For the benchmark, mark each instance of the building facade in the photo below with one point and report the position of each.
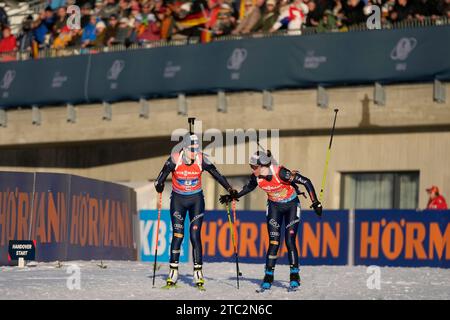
(382, 156)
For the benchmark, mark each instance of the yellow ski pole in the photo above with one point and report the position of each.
(234, 244)
(324, 178)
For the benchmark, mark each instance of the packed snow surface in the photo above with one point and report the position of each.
(133, 280)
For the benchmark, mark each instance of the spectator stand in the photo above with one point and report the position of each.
(171, 16)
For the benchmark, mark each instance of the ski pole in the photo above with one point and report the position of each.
(234, 244)
(328, 157)
(157, 236)
(233, 207)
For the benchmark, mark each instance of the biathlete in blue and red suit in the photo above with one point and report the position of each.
(187, 167)
(280, 184)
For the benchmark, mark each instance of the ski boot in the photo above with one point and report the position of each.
(268, 279)
(294, 278)
(198, 277)
(172, 279)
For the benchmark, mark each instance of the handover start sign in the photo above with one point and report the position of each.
(25, 249)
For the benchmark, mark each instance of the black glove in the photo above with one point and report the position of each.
(159, 187)
(317, 206)
(226, 198)
(233, 193)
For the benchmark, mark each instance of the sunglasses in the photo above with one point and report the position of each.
(254, 167)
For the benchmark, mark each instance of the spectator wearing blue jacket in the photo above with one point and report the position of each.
(89, 34)
(44, 25)
(40, 32)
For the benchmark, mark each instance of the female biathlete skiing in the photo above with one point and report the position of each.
(280, 184)
(186, 167)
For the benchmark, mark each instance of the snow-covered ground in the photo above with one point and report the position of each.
(133, 280)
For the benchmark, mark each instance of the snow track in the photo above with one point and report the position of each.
(133, 280)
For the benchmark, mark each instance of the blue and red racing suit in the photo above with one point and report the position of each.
(187, 196)
(282, 204)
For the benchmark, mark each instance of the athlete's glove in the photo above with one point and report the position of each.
(233, 193)
(159, 187)
(227, 198)
(317, 206)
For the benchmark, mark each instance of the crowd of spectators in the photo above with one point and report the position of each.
(108, 22)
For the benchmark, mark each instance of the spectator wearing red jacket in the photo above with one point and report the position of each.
(436, 201)
(8, 41)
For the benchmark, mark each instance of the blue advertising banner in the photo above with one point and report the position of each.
(148, 220)
(101, 220)
(68, 217)
(16, 193)
(328, 59)
(319, 241)
(402, 238)
(50, 215)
